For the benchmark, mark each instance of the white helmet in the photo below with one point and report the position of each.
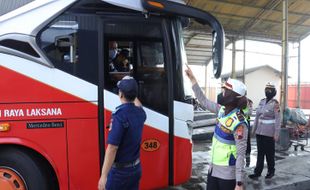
(236, 86)
(270, 85)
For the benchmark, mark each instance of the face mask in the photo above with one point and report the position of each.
(112, 53)
(225, 100)
(270, 93)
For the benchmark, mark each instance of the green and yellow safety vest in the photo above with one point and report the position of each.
(223, 150)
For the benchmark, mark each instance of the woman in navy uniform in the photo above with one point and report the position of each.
(121, 168)
(266, 127)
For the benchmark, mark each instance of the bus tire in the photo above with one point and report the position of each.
(20, 167)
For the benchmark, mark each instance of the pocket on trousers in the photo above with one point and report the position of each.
(116, 180)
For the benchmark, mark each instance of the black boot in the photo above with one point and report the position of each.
(269, 175)
(254, 176)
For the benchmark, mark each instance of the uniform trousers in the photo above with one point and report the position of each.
(265, 147)
(248, 147)
(124, 178)
(215, 183)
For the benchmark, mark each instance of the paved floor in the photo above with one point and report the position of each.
(292, 170)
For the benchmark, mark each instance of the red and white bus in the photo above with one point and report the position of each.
(58, 92)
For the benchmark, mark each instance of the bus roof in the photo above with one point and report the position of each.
(30, 18)
(133, 4)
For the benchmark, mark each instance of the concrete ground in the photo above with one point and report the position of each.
(292, 170)
(292, 173)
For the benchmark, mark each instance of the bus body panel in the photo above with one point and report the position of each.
(183, 159)
(83, 151)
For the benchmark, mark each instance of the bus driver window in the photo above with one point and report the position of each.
(120, 61)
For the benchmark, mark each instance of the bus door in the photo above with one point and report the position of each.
(134, 46)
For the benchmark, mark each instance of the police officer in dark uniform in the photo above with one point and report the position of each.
(121, 168)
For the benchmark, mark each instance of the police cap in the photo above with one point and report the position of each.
(128, 86)
(270, 85)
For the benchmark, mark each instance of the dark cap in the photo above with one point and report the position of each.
(128, 86)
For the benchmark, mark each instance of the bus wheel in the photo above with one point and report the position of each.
(20, 170)
(11, 180)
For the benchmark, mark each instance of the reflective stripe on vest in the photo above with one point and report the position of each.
(223, 140)
(267, 121)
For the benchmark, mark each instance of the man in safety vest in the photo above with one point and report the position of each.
(229, 141)
(267, 127)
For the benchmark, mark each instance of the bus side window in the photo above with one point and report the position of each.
(71, 43)
(152, 77)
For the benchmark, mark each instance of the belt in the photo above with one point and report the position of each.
(126, 164)
(264, 121)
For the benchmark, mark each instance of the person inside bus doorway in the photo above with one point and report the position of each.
(121, 62)
(113, 52)
(267, 127)
(229, 141)
(122, 168)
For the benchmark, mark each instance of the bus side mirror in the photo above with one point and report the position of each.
(217, 54)
(68, 45)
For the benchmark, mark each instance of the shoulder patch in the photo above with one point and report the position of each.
(110, 125)
(239, 132)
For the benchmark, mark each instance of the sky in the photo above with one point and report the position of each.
(262, 53)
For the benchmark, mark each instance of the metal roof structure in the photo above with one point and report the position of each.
(260, 19)
(250, 19)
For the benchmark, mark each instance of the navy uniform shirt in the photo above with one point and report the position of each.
(126, 132)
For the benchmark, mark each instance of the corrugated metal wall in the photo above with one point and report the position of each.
(9, 5)
(304, 96)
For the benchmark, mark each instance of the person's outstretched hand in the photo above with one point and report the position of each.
(190, 75)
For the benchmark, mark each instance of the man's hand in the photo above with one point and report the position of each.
(237, 187)
(190, 75)
(276, 138)
(137, 102)
(102, 182)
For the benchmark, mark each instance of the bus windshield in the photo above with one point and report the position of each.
(186, 82)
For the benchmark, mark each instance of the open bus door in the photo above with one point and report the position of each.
(146, 59)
